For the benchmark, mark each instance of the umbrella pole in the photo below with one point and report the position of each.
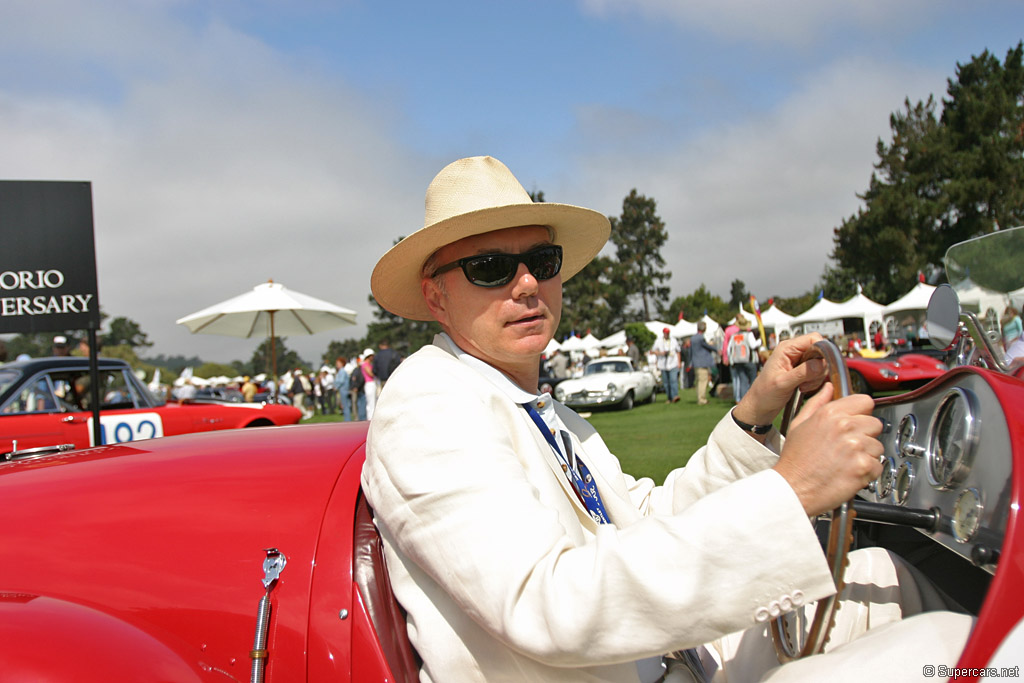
(273, 350)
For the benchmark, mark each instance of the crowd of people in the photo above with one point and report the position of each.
(730, 358)
(348, 388)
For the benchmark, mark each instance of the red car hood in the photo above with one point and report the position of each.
(169, 535)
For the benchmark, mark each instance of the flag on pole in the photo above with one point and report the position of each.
(760, 325)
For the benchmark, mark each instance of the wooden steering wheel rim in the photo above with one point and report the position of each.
(788, 647)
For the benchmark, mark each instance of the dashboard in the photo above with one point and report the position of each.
(947, 465)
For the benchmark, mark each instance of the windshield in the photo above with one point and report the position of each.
(607, 366)
(987, 274)
(8, 377)
(992, 263)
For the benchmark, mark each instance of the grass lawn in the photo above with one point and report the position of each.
(650, 440)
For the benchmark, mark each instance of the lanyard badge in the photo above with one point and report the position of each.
(582, 482)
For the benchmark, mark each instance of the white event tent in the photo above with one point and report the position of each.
(776, 319)
(573, 343)
(657, 327)
(827, 316)
(614, 340)
(914, 303)
(683, 329)
(591, 344)
(915, 300)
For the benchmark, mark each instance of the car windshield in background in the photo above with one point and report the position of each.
(595, 368)
(7, 378)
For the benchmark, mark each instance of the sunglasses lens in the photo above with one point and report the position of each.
(492, 270)
(544, 263)
(495, 270)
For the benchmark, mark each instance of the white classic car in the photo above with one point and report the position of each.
(607, 382)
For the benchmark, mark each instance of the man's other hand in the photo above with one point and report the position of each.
(832, 450)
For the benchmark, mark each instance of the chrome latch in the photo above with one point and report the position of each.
(273, 565)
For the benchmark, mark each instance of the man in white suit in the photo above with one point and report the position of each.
(520, 549)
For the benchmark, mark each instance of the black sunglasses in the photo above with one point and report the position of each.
(495, 270)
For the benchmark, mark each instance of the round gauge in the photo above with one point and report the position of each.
(951, 439)
(904, 483)
(967, 515)
(905, 435)
(886, 478)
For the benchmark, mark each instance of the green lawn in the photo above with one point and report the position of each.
(651, 439)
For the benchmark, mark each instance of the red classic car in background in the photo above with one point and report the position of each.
(45, 402)
(901, 372)
(251, 554)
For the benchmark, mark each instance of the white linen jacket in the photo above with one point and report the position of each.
(505, 576)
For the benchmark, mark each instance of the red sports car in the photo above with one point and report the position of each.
(45, 402)
(251, 554)
(893, 373)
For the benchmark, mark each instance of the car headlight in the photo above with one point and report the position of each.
(612, 388)
(941, 366)
(559, 392)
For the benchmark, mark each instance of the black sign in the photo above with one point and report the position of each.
(47, 258)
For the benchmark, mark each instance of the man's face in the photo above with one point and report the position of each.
(507, 326)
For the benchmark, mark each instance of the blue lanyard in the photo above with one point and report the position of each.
(582, 481)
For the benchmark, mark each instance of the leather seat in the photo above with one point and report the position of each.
(371, 575)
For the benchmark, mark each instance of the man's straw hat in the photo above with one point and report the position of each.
(473, 196)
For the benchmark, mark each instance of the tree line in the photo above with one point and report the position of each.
(952, 170)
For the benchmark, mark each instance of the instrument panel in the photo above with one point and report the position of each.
(947, 451)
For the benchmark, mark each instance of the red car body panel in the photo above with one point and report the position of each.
(1003, 609)
(168, 536)
(151, 554)
(50, 429)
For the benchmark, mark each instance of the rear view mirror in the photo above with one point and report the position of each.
(943, 316)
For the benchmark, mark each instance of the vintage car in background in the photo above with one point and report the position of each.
(252, 555)
(901, 372)
(606, 382)
(45, 402)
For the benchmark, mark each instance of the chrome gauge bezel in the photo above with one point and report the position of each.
(967, 515)
(948, 461)
(904, 483)
(905, 435)
(887, 478)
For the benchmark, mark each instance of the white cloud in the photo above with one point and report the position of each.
(227, 166)
(792, 22)
(757, 199)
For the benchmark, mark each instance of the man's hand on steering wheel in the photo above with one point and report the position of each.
(781, 375)
(832, 450)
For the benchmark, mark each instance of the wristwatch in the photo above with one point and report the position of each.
(753, 429)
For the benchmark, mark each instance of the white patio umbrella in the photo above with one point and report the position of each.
(270, 309)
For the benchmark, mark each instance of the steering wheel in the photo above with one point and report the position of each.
(794, 645)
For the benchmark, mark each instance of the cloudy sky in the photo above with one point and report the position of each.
(237, 141)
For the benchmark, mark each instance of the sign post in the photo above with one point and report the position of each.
(48, 264)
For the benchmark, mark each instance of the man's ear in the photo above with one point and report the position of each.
(435, 299)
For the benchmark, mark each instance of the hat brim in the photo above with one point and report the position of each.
(396, 278)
